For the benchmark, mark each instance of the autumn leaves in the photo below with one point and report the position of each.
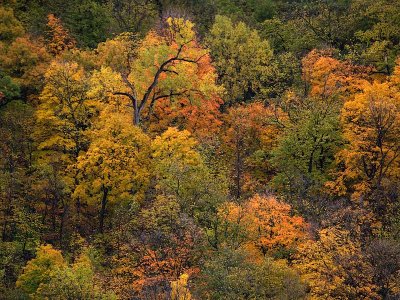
(166, 166)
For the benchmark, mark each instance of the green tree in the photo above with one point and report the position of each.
(89, 22)
(73, 282)
(20, 224)
(48, 276)
(231, 275)
(134, 16)
(9, 90)
(377, 44)
(305, 154)
(38, 270)
(242, 58)
(10, 27)
(252, 11)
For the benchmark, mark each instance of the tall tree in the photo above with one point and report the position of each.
(161, 67)
(242, 58)
(63, 116)
(115, 168)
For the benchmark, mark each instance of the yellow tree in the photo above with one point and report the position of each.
(181, 173)
(65, 109)
(115, 168)
(63, 116)
(167, 66)
(370, 163)
(371, 160)
(179, 288)
(48, 276)
(335, 268)
(177, 164)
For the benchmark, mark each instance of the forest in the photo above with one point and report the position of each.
(200, 149)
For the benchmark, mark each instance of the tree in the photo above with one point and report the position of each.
(116, 166)
(89, 23)
(251, 11)
(21, 225)
(161, 68)
(15, 161)
(25, 60)
(175, 149)
(65, 109)
(273, 226)
(49, 276)
(329, 21)
(241, 57)
(73, 282)
(180, 172)
(168, 244)
(63, 117)
(137, 16)
(262, 226)
(304, 156)
(10, 27)
(230, 274)
(284, 74)
(335, 268)
(38, 270)
(383, 255)
(327, 77)
(377, 43)
(371, 127)
(249, 135)
(179, 288)
(203, 119)
(9, 90)
(59, 38)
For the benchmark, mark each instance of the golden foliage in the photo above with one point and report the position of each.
(335, 268)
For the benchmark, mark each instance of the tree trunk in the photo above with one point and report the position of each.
(62, 223)
(103, 210)
(136, 112)
(136, 117)
(238, 170)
